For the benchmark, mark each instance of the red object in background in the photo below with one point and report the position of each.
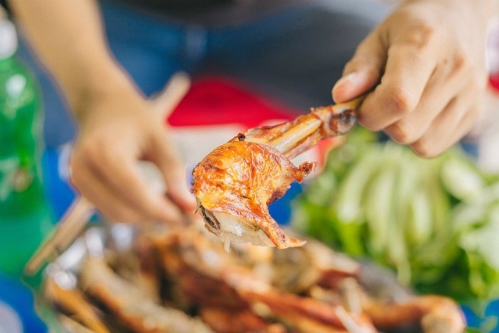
(494, 82)
(493, 54)
(218, 101)
(213, 102)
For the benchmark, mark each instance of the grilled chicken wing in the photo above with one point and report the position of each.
(234, 186)
(236, 182)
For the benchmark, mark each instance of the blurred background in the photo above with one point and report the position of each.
(448, 244)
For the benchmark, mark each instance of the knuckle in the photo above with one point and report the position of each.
(461, 66)
(147, 209)
(401, 101)
(118, 217)
(423, 36)
(87, 150)
(461, 62)
(424, 149)
(121, 215)
(370, 124)
(403, 133)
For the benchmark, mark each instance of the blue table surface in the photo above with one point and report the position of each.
(18, 298)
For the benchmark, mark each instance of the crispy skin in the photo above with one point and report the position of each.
(217, 281)
(226, 321)
(130, 305)
(240, 179)
(307, 314)
(73, 302)
(436, 314)
(197, 270)
(223, 283)
(236, 182)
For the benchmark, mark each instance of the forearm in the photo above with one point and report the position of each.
(69, 40)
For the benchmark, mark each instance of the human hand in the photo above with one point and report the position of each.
(426, 63)
(117, 130)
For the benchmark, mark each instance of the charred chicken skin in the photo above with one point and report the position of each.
(239, 180)
(236, 182)
(323, 294)
(199, 287)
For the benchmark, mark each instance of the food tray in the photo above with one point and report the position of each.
(119, 279)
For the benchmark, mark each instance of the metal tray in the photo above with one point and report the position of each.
(119, 242)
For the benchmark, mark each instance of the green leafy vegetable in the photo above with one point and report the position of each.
(433, 221)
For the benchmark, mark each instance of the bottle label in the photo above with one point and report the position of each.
(15, 88)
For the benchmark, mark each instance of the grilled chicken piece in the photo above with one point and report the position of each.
(436, 314)
(129, 305)
(307, 314)
(211, 279)
(324, 294)
(296, 270)
(229, 321)
(73, 303)
(234, 293)
(236, 182)
(234, 186)
(72, 326)
(193, 268)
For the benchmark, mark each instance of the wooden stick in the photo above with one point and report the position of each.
(70, 226)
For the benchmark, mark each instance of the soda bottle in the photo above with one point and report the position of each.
(25, 215)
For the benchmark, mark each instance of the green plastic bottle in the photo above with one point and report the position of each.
(25, 214)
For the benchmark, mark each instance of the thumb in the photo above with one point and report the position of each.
(165, 102)
(363, 71)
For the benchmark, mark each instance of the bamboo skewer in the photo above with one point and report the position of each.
(293, 137)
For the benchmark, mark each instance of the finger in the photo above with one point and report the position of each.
(164, 103)
(452, 124)
(124, 179)
(363, 71)
(408, 69)
(174, 173)
(109, 205)
(441, 89)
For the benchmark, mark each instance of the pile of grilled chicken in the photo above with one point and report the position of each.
(236, 182)
(183, 281)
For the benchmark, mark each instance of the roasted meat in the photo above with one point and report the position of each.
(135, 311)
(234, 186)
(202, 288)
(323, 294)
(236, 182)
(72, 302)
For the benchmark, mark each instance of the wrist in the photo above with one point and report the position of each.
(93, 82)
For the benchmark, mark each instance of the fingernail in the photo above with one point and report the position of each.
(346, 78)
(344, 87)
